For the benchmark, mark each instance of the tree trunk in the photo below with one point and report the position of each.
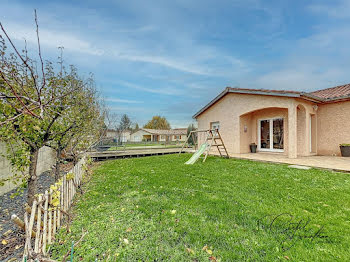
(32, 180)
(58, 163)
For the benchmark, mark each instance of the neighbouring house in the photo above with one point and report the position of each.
(124, 136)
(158, 135)
(111, 133)
(283, 122)
(120, 136)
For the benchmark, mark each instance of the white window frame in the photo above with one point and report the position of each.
(271, 149)
(215, 123)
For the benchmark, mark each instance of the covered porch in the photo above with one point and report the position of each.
(335, 163)
(289, 131)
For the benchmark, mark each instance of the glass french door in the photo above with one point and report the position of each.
(271, 135)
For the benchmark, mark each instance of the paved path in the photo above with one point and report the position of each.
(327, 162)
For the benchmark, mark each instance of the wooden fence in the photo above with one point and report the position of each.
(49, 211)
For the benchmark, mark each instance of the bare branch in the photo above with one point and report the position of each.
(15, 93)
(25, 62)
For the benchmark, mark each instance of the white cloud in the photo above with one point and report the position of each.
(51, 39)
(163, 90)
(164, 61)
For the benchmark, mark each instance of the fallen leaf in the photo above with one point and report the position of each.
(4, 242)
(209, 251)
(212, 258)
(123, 209)
(129, 229)
(286, 257)
(7, 232)
(205, 248)
(173, 212)
(190, 251)
(126, 241)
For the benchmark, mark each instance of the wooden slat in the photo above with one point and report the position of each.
(32, 216)
(26, 224)
(46, 204)
(20, 223)
(54, 223)
(38, 227)
(59, 215)
(29, 211)
(64, 195)
(69, 193)
(49, 234)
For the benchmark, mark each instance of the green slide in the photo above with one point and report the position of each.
(196, 155)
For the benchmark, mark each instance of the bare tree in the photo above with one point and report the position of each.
(34, 104)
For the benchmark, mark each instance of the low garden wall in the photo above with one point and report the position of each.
(46, 160)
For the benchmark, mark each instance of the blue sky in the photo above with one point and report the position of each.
(170, 58)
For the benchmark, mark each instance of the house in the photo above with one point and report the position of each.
(115, 134)
(158, 135)
(125, 136)
(282, 122)
(111, 133)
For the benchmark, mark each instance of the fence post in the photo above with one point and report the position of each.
(50, 219)
(45, 222)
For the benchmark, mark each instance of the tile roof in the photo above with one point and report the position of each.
(333, 93)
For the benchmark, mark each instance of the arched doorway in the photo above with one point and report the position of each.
(267, 128)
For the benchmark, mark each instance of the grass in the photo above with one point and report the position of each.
(158, 209)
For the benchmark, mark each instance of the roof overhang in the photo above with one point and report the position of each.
(264, 92)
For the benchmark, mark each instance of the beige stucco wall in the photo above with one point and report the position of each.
(333, 127)
(46, 160)
(234, 108)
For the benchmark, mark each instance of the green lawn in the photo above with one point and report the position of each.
(158, 209)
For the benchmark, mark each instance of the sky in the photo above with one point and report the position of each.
(170, 58)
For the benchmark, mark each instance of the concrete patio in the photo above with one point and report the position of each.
(335, 163)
